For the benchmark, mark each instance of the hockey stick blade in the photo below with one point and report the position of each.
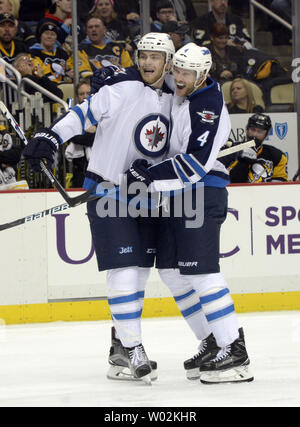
(72, 201)
(235, 148)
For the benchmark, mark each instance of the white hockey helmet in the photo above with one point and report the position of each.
(195, 58)
(159, 42)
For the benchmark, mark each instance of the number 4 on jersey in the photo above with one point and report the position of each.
(203, 138)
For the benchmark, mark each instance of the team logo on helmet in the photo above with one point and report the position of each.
(281, 130)
(151, 135)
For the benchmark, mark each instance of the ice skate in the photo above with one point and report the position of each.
(207, 350)
(139, 363)
(230, 365)
(120, 362)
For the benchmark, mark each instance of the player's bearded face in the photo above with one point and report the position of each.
(151, 65)
(257, 134)
(184, 80)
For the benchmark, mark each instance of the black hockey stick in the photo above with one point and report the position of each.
(34, 216)
(62, 207)
(71, 201)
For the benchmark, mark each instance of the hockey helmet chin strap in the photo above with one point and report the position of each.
(198, 85)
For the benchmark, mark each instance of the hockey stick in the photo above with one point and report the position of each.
(235, 148)
(71, 201)
(62, 207)
(33, 217)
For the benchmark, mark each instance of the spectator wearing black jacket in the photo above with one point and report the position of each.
(117, 29)
(226, 60)
(24, 33)
(184, 10)
(202, 25)
(10, 46)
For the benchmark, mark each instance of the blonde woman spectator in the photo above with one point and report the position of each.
(24, 32)
(242, 98)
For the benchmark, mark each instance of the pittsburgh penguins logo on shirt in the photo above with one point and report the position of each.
(151, 135)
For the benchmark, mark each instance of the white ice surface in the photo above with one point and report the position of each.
(65, 364)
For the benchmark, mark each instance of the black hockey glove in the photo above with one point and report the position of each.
(42, 146)
(138, 172)
(100, 75)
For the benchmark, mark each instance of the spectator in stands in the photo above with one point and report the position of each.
(27, 68)
(129, 10)
(227, 63)
(95, 53)
(60, 15)
(262, 163)
(165, 12)
(24, 33)
(178, 33)
(10, 47)
(242, 98)
(78, 150)
(201, 26)
(184, 10)
(116, 28)
(52, 58)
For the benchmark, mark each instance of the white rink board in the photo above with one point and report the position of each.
(53, 259)
(283, 135)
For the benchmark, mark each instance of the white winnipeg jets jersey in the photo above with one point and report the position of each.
(200, 127)
(132, 122)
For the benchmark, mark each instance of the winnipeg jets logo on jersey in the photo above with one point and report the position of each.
(151, 135)
(208, 117)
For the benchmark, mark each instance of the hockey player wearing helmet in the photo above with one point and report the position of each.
(131, 108)
(154, 54)
(201, 126)
(263, 163)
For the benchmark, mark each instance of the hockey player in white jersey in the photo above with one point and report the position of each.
(201, 126)
(132, 115)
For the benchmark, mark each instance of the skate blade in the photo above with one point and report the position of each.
(121, 373)
(146, 379)
(239, 374)
(193, 374)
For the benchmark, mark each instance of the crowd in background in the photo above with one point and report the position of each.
(36, 38)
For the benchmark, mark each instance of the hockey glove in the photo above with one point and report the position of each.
(42, 146)
(100, 75)
(139, 172)
(249, 155)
